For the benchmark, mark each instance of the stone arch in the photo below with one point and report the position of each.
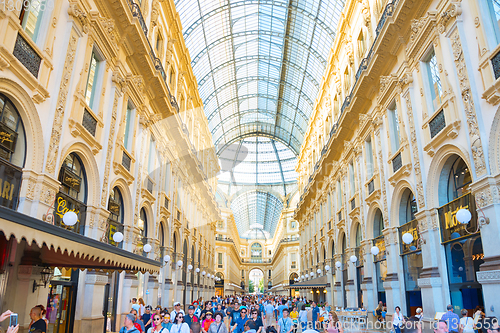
(494, 145)
(35, 148)
(436, 169)
(331, 249)
(128, 208)
(322, 253)
(401, 188)
(370, 218)
(351, 241)
(340, 237)
(91, 170)
(176, 242)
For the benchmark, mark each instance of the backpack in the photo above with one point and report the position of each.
(138, 326)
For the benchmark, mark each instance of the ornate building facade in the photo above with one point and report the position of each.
(101, 116)
(405, 135)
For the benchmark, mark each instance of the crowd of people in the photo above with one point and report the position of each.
(265, 314)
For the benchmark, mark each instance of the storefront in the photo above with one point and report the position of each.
(219, 284)
(461, 241)
(316, 288)
(379, 260)
(411, 252)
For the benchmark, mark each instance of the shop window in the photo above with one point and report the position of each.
(91, 88)
(31, 16)
(12, 153)
(392, 114)
(219, 259)
(458, 180)
(494, 11)
(116, 215)
(293, 224)
(432, 73)
(129, 125)
(73, 193)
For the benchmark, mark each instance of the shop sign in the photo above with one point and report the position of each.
(10, 184)
(64, 203)
(8, 138)
(451, 229)
(113, 227)
(411, 228)
(380, 243)
(114, 207)
(70, 179)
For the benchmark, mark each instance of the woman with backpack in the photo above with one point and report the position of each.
(156, 325)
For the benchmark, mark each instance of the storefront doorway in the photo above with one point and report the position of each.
(61, 301)
(380, 259)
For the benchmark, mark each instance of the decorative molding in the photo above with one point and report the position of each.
(109, 157)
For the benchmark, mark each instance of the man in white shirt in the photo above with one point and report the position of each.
(176, 310)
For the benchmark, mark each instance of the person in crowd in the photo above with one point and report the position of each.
(240, 322)
(208, 308)
(37, 320)
(333, 325)
(138, 322)
(466, 322)
(378, 311)
(254, 315)
(285, 324)
(280, 309)
(146, 318)
(166, 322)
(142, 307)
(196, 327)
(10, 329)
(323, 315)
(235, 314)
(478, 315)
(158, 310)
(420, 314)
(207, 321)
(218, 325)
(268, 316)
(156, 326)
(220, 308)
(176, 310)
(451, 319)
(250, 326)
(315, 315)
(493, 327)
(179, 326)
(441, 327)
(129, 326)
(294, 316)
(136, 305)
(303, 317)
(328, 308)
(413, 325)
(190, 318)
(397, 319)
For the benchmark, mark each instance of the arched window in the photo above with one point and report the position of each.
(256, 251)
(116, 215)
(458, 178)
(359, 236)
(73, 193)
(12, 153)
(378, 224)
(161, 235)
(411, 207)
(143, 223)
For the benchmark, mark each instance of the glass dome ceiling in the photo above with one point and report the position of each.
(257, 160)
(259, 63)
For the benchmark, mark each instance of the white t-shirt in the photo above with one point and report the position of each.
(174, 313)
(468, 324)
(397, 320)
(182, 328)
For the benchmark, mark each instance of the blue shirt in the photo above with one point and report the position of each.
(280, 311)
(269, 309)
(240, 322)
(315, 313)
(285, 325)
(452, 320)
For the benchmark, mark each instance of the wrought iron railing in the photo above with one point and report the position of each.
(126, 161)
(397, 162)
(437, 124)
(495, 63)
(150, 185)
(353, 203)
(89, 122)
(27, 55)
(166, 203)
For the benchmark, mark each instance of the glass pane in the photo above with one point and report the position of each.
(32, 17)
(89, 92)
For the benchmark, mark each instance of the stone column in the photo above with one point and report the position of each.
(92, 319)
(129, 290)
(152, 291)
(488, 212)
(339, 288)
(433, 279)
(392, 283)
(369, 296)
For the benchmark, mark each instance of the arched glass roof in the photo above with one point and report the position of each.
(256, 213)
(259, 63)
(257, 160)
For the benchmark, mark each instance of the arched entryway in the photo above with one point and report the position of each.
(256, 281)
(219, 284)
(379, 260)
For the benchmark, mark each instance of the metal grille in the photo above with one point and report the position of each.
(371, 187)
(126, 161)
(495, 62)
(150, 185)
(339, 215)
(89, 122)
(353, 203)
(167, 202)
(179, 215)
(397, 163)
(437, 124)
(27, 56)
